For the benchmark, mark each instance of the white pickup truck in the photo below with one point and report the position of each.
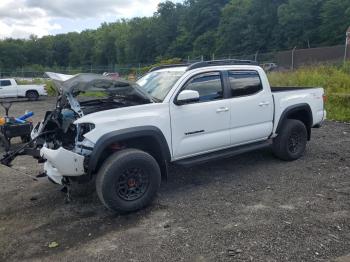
(174, 115)
(9, 88)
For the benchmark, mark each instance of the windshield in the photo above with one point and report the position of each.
(158, 84)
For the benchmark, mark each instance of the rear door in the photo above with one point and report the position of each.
(202, 126)
(7, 89)
(251, 107)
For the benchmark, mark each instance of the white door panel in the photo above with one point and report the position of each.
(246, 134)
(251, 118)
(199, 128)
(7, 89)
(251, 109)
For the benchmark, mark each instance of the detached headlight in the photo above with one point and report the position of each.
(83, 129)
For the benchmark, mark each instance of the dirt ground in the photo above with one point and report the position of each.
(249, 208)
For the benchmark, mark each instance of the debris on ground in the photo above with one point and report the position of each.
(53, 244)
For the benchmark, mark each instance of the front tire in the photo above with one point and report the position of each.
(128, 180)
(290, 144)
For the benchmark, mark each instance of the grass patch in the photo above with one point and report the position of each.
(334, 79)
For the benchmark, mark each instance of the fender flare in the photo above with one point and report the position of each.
(125, 134)
(295, 108)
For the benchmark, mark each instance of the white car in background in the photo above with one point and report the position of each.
(10, 88)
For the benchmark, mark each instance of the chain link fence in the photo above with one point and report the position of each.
(283, 60)
(294, 58)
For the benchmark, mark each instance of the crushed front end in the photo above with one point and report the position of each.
(59, 140)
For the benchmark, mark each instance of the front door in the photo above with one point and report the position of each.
(7, 89)
(202, 126)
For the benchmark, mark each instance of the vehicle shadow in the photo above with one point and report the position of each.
(230, 169)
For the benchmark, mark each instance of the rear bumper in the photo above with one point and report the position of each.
(324, 117)
(61, 162)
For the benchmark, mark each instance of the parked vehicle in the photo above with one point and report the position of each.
(268, 67)
(174, 115)
(10, 88)
(114, 76)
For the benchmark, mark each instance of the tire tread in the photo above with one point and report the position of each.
(114, 161)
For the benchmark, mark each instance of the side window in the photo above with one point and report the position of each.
(5, 82)
(244, 83)
(208, 85)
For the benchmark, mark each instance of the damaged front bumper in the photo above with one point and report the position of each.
(62, 163)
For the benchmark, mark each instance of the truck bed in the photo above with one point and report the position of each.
(288, 96)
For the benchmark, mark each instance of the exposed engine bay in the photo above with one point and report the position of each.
(58, 137)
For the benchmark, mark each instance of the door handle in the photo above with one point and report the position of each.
(222, 109)
(264, 104)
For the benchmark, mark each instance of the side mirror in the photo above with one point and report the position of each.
(187, 96)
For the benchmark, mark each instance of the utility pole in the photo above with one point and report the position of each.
(347, 42)
(256, 56)
(293, 51)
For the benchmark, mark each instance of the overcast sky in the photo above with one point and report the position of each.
(21, 18)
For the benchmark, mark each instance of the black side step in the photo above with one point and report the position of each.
(226, 153)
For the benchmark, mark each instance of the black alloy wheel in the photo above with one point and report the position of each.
(132, 184)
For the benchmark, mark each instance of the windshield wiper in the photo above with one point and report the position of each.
(156, 100)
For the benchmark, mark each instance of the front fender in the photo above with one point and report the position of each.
(127, 134)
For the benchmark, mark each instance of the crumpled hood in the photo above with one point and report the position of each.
(93, 82)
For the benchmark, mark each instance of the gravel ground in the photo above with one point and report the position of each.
(249, 208)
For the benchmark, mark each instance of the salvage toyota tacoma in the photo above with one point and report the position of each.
(125, 135)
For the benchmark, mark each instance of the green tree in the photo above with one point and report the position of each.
(335, 19)
(300, 21)
(191, 28)
(141, 41)
(198, 18)
(61, 49)
(165, 27)
(105, 48)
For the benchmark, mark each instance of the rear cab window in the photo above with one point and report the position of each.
(244, 82)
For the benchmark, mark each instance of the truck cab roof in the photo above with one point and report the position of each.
(203, 64)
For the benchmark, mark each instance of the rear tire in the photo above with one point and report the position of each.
(128, 180)
(290, 144)
(32, 95)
